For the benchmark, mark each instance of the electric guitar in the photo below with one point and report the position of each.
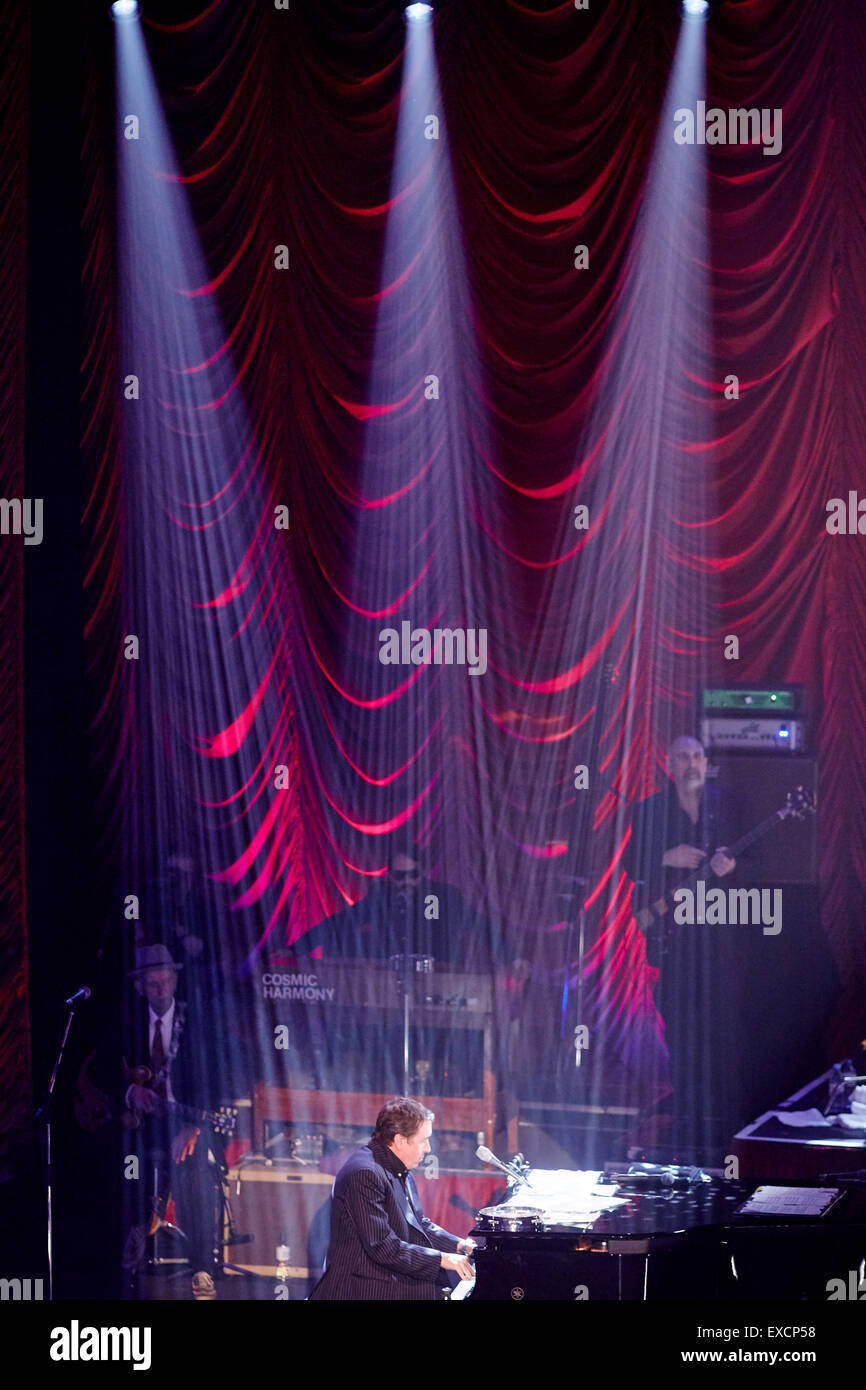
(93, 1110)
(798, 802)
(222, 1121)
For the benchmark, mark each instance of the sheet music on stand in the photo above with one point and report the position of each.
(790, 1201)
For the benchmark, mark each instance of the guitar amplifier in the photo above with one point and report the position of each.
(757, 735)
(279, 1202)
(752, 719)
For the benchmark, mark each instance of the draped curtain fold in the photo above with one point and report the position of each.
(285, 125)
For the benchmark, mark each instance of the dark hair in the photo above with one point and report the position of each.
(400, 1116)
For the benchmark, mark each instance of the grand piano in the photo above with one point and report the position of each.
(661, 1233)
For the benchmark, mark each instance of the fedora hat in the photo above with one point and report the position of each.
(152, 958)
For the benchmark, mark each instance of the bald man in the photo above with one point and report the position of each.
(687, 828)
(684, 828)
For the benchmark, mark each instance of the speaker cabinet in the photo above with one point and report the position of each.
(788, 853)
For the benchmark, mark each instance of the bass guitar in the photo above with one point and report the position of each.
(797, 804)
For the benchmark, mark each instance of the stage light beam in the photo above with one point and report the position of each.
(125, 10)
(418, 14)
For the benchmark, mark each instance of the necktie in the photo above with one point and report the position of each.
(157, 1058)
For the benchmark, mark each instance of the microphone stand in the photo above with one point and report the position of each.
(578, 853)
(403, 903)
(569, 895)
(43, 1116)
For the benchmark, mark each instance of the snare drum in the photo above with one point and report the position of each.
(508, 1218)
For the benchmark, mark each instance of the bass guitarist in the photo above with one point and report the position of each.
(684, 833)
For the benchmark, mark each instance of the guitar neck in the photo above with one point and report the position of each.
(662, 905)
(737, 847)
(189, 1112)
(215, 1120)
(759, 830)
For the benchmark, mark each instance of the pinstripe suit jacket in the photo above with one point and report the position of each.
(382, 1246)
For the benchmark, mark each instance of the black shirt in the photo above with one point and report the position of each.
(660, 824)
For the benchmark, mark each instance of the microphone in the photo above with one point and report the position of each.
(78, 997)
(487, 1156)
(461, 1204)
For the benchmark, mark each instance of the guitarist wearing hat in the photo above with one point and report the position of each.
(169, 1065)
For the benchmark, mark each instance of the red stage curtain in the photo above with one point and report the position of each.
(285, 124)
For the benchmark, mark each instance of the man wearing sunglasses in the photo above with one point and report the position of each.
(406, 905)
